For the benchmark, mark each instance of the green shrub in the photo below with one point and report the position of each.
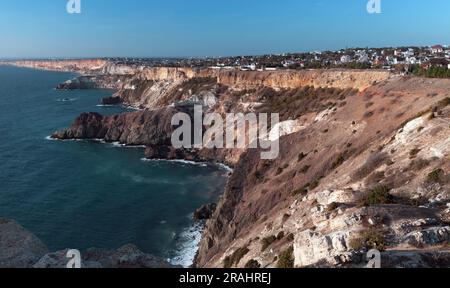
(338, 162)
(369, 239)
(279, 171)
(235, 258)
(332, 206)
(419, 164)
(378, 195)
(413, 153)
(285, 217)
(301, 191)
(314, 184)
(286, 258)
(444, 102)
(290, 237)
(436, 176)
(267, 241)
(372, 163)
(280, 235)
(252, 264)
(305, 169)
(301, 156)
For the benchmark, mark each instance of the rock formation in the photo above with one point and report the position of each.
(21, 249)
(205, 212)
(18, 247)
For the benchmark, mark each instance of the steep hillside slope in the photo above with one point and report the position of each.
(371, 171)
(364, 162)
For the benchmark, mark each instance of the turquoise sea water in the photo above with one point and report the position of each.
(81, 194)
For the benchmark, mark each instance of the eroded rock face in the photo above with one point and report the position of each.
(18, 247)
(205, 212)
(112, 101)
(136, 128)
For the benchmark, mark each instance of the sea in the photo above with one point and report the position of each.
(83, 194)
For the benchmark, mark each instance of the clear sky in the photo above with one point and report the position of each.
(152, 28)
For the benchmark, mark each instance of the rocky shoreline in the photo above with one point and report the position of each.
(364, 162)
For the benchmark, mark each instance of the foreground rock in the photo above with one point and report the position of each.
(18, 247)
(128, 256)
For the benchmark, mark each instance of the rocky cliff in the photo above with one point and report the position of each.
(87, 66)
(364, 162)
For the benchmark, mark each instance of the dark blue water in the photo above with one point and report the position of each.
(85, 194)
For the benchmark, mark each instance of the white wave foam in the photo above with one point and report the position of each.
(201, 164)
(67, 100)
(225, 167)
(187, 245)
(105, 105)
(49, 138)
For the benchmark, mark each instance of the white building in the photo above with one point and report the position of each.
(346, 59)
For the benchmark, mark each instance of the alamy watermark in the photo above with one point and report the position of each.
(73, 6)
(374, 7)
(236, 131)
(74, 257)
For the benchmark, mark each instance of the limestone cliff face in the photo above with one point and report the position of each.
(82, 66)
(342, 79)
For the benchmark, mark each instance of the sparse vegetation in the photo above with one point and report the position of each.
(314, 184)
(369, 239)
(375, 178)
(305, 169)
(413, 153)
(372, 163)
(279, 171)
(293, 103)
(301, 156)
(378, 195)
(252, 264)
(444, 103)
(267, 241)
(290, 237)
(285, 217)
(300, 192)
(432, 72)
(338, 162)
(418, 164)
(235, 258)
(280, 235)
(419, 201)
(286, 258)
(436, 176)
(332, 206)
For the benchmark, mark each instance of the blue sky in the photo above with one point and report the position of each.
(43, 28)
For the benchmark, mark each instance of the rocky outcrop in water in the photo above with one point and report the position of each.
(112, 101)
(205, 212)
(136, 128)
